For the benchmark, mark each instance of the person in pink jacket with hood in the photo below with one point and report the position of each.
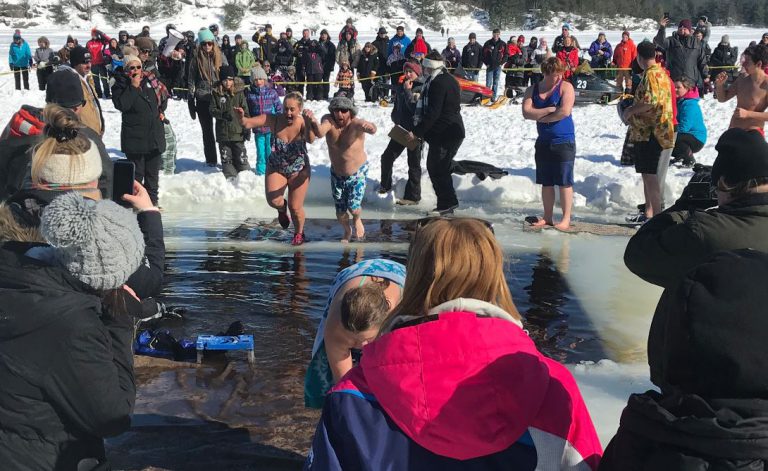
(453, 382)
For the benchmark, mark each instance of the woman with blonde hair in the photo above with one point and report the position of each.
(203, 76)
(453, 381)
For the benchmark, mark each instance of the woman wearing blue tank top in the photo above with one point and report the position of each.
(549, 103)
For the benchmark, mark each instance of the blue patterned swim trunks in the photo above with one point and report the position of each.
(348, 191)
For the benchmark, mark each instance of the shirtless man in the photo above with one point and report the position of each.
(750, 90)
(345, 135)
(360, 299)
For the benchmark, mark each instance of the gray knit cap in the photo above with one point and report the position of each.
(258, 73)
(98, 242)
(342, 103)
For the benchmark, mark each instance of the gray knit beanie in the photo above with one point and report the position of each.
(342, 103)
(258, 73)
(98, 242)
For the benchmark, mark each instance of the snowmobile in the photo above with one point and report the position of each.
(588, 87)
(472, 93)
(592, 89)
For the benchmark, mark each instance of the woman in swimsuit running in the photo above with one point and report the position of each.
(288, 164)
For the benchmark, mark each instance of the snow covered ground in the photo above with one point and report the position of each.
(603, 190)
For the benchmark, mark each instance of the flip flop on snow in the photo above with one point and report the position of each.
(531, 220)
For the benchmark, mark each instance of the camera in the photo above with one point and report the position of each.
(699, 191)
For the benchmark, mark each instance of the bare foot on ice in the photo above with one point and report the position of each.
(563, 226)
(542, 222)
(359, 230)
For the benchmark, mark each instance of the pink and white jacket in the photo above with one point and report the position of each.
(463, 388)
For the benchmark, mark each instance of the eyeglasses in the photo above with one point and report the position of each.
(423, 222)
(134, 67)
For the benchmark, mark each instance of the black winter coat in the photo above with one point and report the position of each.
(724, 55)
(494, 53)
(142, 132)
(405, 104)
(472, 56)
(442, 121)
(268, 48)
(673, 242)
(381, 48)
(328, 54)
(707, 355)
(284, 54)
(368, 63)
(66, 366)
(301, 49)
(685, 56)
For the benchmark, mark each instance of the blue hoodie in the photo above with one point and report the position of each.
(690, 119)
(20, 55)
(404, 42)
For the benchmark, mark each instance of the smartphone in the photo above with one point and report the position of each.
(123, 175)
(666, 15)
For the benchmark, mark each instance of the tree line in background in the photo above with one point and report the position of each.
(432, 13)
(513, 13)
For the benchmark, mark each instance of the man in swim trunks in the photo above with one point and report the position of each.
(751, 91)
(345, 135)
(360, 298)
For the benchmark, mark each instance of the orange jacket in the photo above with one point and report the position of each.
(624, 53)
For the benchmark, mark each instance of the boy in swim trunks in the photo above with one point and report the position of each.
(345, 135)
(751, 91)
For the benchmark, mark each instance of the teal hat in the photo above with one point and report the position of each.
(204, 36)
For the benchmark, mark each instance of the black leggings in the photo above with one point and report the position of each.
(686, 145)
(206, 124)
(19, 74)
(391, 153)
(440, 167)
(147, 172)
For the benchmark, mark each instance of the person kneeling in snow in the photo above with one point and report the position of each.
(230, 134)
(691, 130)
(453, 381)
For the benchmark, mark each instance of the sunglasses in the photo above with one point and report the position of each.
(134, 67)
(146, 51)
(208, 43)
(341, 110)
(423, 222)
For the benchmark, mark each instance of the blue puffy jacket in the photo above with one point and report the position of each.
(20, 55)
(597, 59)
(404, 41)
(690, 119)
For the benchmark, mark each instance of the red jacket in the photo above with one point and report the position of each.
(96, 48)
(624, 53)
(571, 60)
(513, 50)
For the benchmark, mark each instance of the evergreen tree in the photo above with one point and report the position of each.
(58, 13)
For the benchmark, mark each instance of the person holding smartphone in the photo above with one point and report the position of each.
(141, 98)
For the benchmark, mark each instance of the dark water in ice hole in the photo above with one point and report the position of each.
(279, 296)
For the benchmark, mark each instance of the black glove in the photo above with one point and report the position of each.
(226, 116)
(191, 106)
(247, 134)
